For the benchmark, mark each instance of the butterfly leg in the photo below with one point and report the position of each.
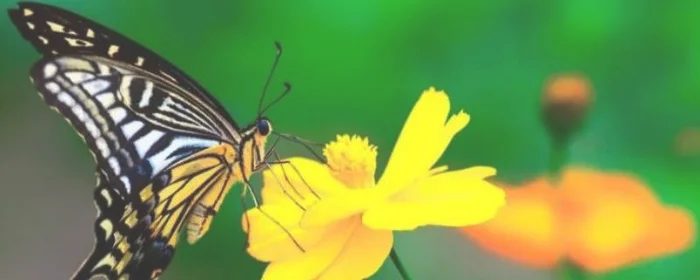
(266, 165)
(248, 186)
(282, 164)
(245, 215)
(284, 189)
(271, 149)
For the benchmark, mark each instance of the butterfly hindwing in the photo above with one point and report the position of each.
(137, 239)
(54, 31)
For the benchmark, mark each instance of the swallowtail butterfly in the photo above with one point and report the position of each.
(166, 151)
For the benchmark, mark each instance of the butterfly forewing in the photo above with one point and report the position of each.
(55, 31)
(133, 127)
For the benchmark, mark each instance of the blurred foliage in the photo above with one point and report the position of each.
(359, 66)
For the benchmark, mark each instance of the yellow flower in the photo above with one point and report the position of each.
(338, 223)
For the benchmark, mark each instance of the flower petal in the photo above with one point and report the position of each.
(673, 231)
(283, 178)
(340, 206)
(347, 203)
(314, 261)
(422, 141)
(618, 220)
(527, 229)
(456, 198)
(281, 238)
(362, 256)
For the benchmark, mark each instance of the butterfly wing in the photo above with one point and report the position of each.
(55, 31)
(134, 126)
(140, 237)
(142, 119)
(150, 166)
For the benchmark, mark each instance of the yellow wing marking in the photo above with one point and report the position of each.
(108, 260)
(146, 193)
(107, 226)
(191, 187)
(199, 219)
(202, 177)
(131, 219)
(191, 181)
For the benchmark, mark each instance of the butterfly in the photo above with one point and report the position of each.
(166, 151)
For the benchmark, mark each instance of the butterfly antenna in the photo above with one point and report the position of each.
(269, 76)
(287, 89)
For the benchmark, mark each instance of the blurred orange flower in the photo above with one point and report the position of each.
(600, 221)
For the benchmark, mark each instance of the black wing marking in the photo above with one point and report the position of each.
(130, 143)
(55, 31)
(137, 240)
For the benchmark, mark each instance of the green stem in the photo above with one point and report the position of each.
(570, 271)
(557, 160)
(399, 266)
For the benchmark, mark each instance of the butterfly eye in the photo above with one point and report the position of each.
(263, 127)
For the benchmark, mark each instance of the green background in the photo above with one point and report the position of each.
(358, 67)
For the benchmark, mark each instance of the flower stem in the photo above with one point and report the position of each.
(557, 160)
(569, 271)
(399, 266)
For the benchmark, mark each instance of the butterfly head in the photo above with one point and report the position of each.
(253, 145)
(263, 127)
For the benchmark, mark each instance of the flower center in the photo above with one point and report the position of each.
(352, 160)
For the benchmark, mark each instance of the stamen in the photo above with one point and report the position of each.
(353, 160)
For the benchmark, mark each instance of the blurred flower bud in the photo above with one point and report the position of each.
(565, 103)
(688, 142)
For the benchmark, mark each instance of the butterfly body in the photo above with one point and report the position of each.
(166, 151)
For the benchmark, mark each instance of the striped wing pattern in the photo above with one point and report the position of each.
(133, 128)
(55, 31)
(160, 142)
(137, 240)
(142, 205)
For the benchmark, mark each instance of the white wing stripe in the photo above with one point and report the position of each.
(50, 70)
(78, 76)
(96, 86)
(102, 146)
(53, 87)
(147, 94)
(107, 99)
(144, 143)
(131, 128)
(114, 164)
(117, 114)
(162, 159)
